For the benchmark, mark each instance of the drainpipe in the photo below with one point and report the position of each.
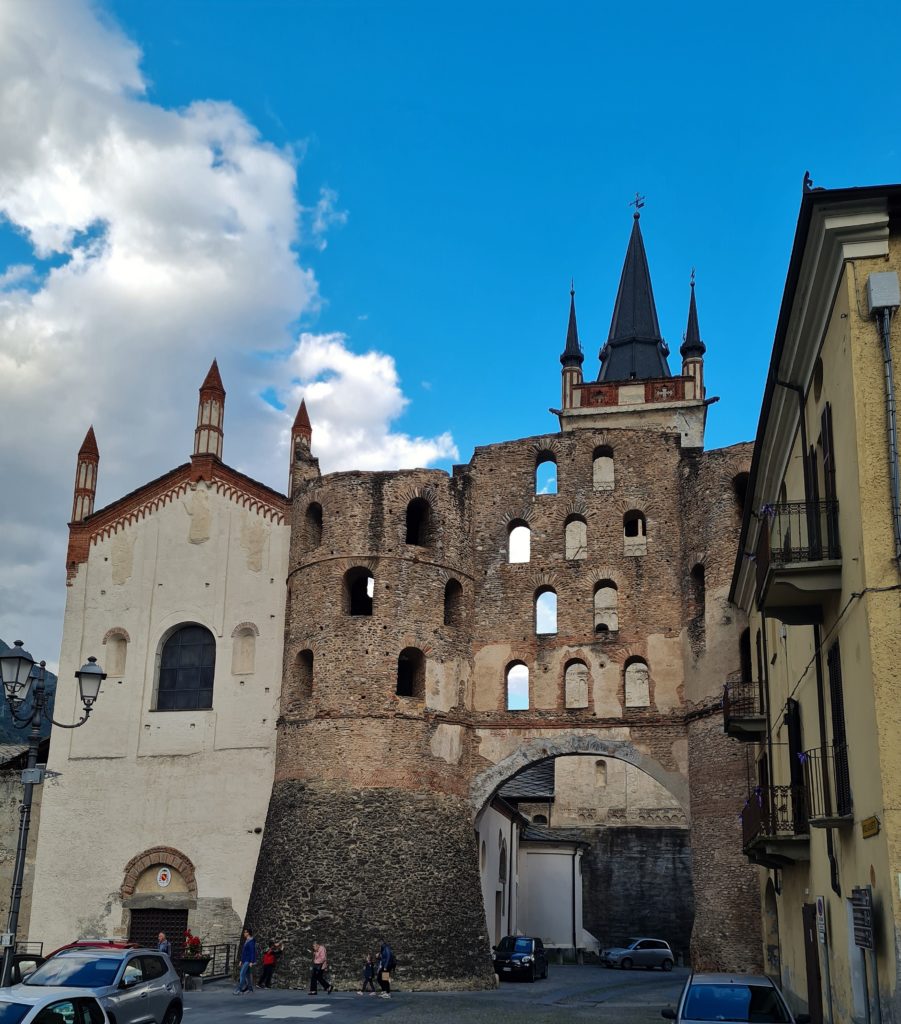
(575, 944)
(827, 792)
(883, 299)
(510, 886)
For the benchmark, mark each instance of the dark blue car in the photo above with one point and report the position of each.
(519, 956)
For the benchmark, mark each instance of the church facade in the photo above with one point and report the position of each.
(311, 758)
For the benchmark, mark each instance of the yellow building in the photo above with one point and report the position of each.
(818, 572)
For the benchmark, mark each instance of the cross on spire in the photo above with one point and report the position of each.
(638, 203)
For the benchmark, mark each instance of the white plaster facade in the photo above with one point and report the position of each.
(497, 832)
(198, 550)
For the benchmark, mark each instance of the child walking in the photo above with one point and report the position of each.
(368, 976)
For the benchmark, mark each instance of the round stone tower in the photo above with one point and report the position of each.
(369, 833)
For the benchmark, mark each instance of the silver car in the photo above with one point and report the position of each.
(648, 953)
(135, 986)
(742, 998)
(42, 1006)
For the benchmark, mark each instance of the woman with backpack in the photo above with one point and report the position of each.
(387, 963)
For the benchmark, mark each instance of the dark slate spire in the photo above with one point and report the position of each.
(692, 346)
(634, 349)
(572, 354)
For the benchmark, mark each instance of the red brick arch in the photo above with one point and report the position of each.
(167, 855)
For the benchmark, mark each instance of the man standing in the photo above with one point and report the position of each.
(164, 946)
(248, 959)
(387, 963)
(320, 966)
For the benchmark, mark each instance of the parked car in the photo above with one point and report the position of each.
(742, 998)
(647, 953)
(134, 986)
(520, 956)
(46, 1006)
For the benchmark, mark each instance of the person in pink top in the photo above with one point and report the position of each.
(320, 966)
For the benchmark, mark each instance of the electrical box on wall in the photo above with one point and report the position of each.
(883, 291)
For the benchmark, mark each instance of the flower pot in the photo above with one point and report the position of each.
(192, 966)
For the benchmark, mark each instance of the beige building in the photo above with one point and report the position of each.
(179, 589)
(817, 572)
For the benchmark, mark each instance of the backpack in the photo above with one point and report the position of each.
(392, 960)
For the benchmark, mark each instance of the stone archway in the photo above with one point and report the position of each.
(486, 783)
(164, 855)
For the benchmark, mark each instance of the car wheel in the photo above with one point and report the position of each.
(667, 964)
(173, 1014)
(626, 963)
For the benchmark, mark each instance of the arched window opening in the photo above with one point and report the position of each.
(546, 611)
(638, 684)
(419, 522)
(453, 603)
(502, 862)
(606, 613)
(304, 671)
(517, 687)
(359, 587)
(602, 468)
(635, 541)
(576, 538)
(744, 654)
(116, 652)
(600, 774)
(539, 819)
(313, 523)
(698, 594)
(187, 666)
(546, 474)
(520, 542)
(411, 673)
(244, 644)
(740, 487)
(575, 685)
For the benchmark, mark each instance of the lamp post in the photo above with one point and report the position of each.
(23, 679)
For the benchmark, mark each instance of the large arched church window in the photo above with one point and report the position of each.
(187, 666)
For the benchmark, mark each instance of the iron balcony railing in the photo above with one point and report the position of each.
(828, 782)
(742, 698)
(774, 812)
(797, 531)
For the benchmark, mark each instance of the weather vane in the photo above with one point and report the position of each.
(638, 203)
(692, 277)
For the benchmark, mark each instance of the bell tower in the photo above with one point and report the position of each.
(210, 414)
(304, 466)
(86, 477)
(572, 356)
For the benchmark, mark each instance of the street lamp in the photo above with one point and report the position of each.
(23, 679)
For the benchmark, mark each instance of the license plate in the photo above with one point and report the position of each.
(508, 968)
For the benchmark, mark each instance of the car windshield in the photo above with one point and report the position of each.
(632, 943)
(512, 945)
(12, 1013)
(76, 972)
(758, 1003)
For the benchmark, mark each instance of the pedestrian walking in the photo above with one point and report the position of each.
(164, 945)
(320, 966)
(368, 976)
(248, 961)
(270, 959)
(387, 963)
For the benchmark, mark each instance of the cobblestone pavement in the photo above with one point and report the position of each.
(569, 995)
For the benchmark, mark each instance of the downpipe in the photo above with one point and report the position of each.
(884, 323)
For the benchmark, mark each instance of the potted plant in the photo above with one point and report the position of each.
(192, 962)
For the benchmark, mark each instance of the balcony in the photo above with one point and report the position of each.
(798, 560)
(743, 712)
(828, 786)
(774, 826)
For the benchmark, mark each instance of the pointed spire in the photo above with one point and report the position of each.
(572, 353)
(86, 466)
(212, 382)
(89, 444)
(302, 420)
(634, 349)
(210, 414)
(692, 346)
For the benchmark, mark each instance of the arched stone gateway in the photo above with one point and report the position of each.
(489, 781)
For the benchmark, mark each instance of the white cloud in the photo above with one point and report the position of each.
(175, 236)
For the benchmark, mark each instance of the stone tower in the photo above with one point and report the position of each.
(408, 612)
(86, 477)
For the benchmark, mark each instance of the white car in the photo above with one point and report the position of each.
(50, 1006)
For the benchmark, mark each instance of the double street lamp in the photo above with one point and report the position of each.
(24, 682)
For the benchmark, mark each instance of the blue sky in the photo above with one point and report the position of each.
(379, 206)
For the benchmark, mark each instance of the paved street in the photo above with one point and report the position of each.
(570, 994)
